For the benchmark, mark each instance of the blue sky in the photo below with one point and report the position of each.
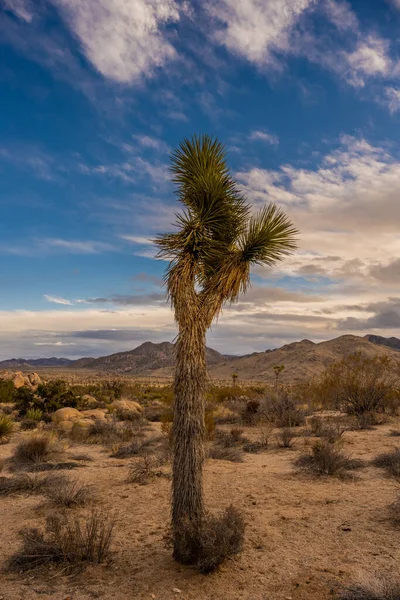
(96, 93)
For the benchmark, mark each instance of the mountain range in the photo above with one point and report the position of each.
(303, 360)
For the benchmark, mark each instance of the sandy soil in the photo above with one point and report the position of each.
(304, 537)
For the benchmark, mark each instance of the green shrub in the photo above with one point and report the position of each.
(34, 414)
(6, 391)
(283, 410)
(6, 427)
(25, 399)
(56, 394)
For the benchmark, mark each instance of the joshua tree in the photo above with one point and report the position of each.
(278, 370)
(235, 377)
(216, 242)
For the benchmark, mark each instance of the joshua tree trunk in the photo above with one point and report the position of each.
(188, 438)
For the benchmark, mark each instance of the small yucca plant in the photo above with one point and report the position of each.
(34, 414)
(6, 427)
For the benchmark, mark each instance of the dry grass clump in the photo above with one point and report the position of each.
(389, 461)
(6, 428)
(329, 430)
(69, 493)
(327, 459)
(138, 447)
(230, 439)
(113, 433)
(220, 538)
(35, 450)
(145, 470)
(395, 433)
(285, 437)
(25, 483)
(394, 511)
(82, 457)
(218, 452)
(67, 541)
(380, 589)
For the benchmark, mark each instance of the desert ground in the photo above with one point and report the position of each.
(305, 536)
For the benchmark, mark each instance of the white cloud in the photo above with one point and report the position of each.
(123, 39)
(57, 300)
(54, 344)
(348, 205)
(264, 136)
(137, 239)
(75, 246)
(393, 98)
(341, 15)
(256, 29)
(151, 142)
(369, 59)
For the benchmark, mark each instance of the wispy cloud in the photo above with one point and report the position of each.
(256, 30)
(123, 40)
(51, 245)
(137, 239)
(58, 300)
(392, 98)
(264, 136)
(23, 9)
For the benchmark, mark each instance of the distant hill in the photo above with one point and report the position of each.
(146, 359)
(391, 342)
(303, 360)
(22, 363)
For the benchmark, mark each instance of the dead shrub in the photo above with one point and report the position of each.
(67, 541)
(358, 384)
(389, 461)
(250, 413)
(380, 589)
(25, 483)
(219, 452)
(69, 493)
(285, 437)
(229, 439)
(218, 538)
(144, 471)
(394, 511)
(34, 450)
(283, 410)
(138, 447)
(325, 458)
(394, 433)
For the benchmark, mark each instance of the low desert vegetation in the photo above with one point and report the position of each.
(285, 437)
(6, 428)
(389, 461)
(327, 459)
(35, 450)
(69, 493)
(360, 385)
(380, 589)
(30, 483)
(232, 454)
(145, 470)
(70, 542)
(219, 538)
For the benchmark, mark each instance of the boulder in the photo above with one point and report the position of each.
(18, 380)
(66, 414)
(65, 427)
(88, 401)
(33, 379)
(81, 429)
(127, 410)
(96, 413)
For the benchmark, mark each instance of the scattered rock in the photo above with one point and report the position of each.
(127, 410)
(95, 413)
(66, 414)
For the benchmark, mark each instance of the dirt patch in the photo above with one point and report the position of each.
(304, 538)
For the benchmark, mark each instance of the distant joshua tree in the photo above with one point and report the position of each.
(278, 370)
(210, 255)
(235, 377)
